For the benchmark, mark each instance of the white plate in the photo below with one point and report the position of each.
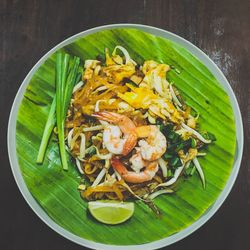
(156, 244)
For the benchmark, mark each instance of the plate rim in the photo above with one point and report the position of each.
(11, 141)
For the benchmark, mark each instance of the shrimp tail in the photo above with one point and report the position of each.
(118, 166)
(107, 116)
(134, 177)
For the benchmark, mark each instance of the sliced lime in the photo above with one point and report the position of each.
(111, 212)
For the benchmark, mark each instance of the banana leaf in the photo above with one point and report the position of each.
(56, 190)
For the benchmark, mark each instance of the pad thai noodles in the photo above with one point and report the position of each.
(129, 130)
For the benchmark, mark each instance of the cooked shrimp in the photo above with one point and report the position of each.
(112, 134)
(155, 144)
(137, 163)
(112, 139)
(150, 170)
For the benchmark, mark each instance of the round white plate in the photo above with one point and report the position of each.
(156, 244)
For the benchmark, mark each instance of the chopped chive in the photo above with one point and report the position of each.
(170, 174)
(177, 71)
(211, 136)
(167, 156)
(193, 143)
(175, 162)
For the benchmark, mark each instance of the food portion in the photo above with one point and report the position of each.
(128, 128)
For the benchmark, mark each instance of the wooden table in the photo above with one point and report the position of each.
(30, 28)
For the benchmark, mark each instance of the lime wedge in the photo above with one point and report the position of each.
(111, 212)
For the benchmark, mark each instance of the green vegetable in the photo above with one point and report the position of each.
(78, 77)
(47, 132)
(200, 171)
(91, 150)
(181, 144)
(101, 58)
(175, 162)
(72, 79)
(188, 171)
(65, 80)
(211, 136)
(166, 129)
(61, 70)
(170, 173)
(167, 156)
(174, 137)
(193, 143)
(193, 170)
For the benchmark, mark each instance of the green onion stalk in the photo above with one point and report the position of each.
(67, 74)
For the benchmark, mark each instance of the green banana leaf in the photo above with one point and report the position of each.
(56, 190)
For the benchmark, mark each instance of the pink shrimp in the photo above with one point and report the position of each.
(154, 144)
(133, 177)
(112, 134)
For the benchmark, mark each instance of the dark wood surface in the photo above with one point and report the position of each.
(28, 29)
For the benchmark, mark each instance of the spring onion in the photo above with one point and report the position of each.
(47, 132)
(201, 154)
(187, 165)
(90, 150)
(193, 170)
(66, 77)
